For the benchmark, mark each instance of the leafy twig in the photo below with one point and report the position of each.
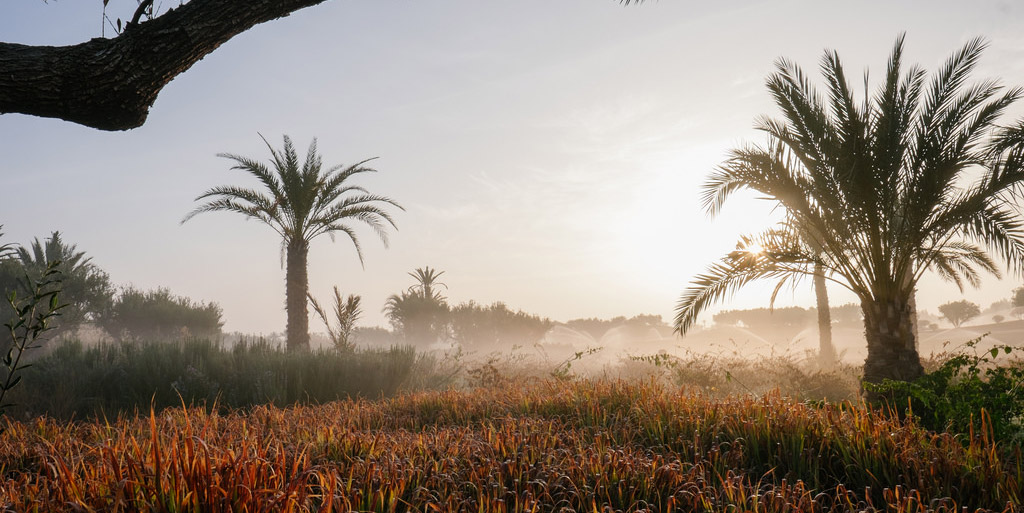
(32, 319)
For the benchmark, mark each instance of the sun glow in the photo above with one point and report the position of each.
(754, 249)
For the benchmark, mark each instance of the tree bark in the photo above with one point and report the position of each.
(826, 351)
(296, 291)
(892, 350)
(110, 84)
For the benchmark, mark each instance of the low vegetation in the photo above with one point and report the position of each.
(725, 375)
(106, 379)
(555, 446)
(967, 384)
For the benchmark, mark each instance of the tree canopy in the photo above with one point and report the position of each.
(917, 176)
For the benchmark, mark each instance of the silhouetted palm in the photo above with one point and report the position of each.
(8, 249)
(826, 349)
(84, 287)
(420, 314)
(301, 201)
(40, 254)
(884, 187)
(426, 279)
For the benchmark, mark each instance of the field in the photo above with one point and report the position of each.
(553, 446)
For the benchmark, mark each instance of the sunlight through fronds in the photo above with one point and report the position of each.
(873, 187)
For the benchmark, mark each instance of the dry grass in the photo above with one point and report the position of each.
(555, 446)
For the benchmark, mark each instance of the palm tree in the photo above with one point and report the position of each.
(826, 350)
(426, 279)
(916, 177)
(7, 249)
(40, 254)
(827, 356)
(420, 313)
(301, 201)
(84, 287)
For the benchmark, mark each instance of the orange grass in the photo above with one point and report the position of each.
(552, 447)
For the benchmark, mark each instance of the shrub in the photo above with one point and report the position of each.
(346, 313)
(968, 385)
(474, 326)
(159, 315)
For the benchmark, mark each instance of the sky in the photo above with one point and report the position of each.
(548, 154)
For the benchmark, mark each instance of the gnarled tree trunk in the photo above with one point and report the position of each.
(110, 84)
(296, 289)
(892, 350)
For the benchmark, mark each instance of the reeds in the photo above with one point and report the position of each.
(555, 446)
(80, 381)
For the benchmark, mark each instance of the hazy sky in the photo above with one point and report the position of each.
(548, 153)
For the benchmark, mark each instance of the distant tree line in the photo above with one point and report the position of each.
(849, 315)
(791, 317)
(124, 313)
(421, 316)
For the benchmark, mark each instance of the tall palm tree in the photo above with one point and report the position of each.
(826, 349)
(915, 177)
(301, 201)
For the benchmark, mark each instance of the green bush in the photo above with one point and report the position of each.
(953, 397)
(109, 378)
(159, 315)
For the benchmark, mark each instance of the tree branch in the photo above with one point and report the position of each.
(145, 4)
(110, 84)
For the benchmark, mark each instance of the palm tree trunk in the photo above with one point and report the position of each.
(296, 289)
(912, 304)
(892, 351)
(914, 320)
(826, 351)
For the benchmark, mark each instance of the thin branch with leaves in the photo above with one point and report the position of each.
(33, 315)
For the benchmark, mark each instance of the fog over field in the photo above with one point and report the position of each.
(512, 255)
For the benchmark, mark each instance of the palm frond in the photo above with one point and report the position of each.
(257, 169)
(8, 249)
(302, 201)
(773, 254)
(875, 191)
